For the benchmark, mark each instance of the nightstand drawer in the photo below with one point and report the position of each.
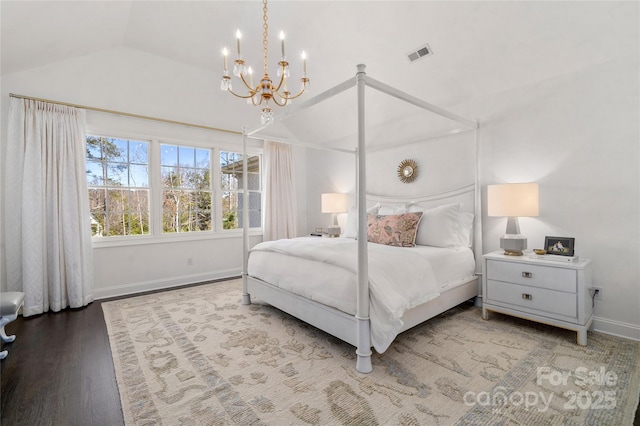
(532, 275)
(547, 291)
(539, 299)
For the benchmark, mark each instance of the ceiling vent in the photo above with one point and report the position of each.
(419, 53)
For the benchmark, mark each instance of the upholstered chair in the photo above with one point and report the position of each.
(10, 304)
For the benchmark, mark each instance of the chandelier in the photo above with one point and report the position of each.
(265, 90)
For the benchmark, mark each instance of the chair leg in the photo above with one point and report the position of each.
(6, 338)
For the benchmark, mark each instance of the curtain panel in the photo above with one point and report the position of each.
(280, 195)
(47, 229)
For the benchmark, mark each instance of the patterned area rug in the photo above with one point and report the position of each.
(198, 356)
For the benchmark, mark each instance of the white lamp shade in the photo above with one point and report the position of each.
(334, 203)
(513, 200)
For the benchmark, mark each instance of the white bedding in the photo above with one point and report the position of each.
(325, 270)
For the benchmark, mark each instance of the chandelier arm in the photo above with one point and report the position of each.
(275, 100)
(277, 88)
(240, 96)
(253, 101)
(290, 97)
(252, 90)
(282, 76)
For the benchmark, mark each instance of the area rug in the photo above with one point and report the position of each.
(197, 356)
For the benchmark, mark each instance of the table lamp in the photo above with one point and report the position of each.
(334, 203)
(513, 200)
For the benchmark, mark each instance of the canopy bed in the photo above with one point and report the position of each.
(383, 290)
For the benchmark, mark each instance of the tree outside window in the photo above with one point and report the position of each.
(118, 182)
(186, 189)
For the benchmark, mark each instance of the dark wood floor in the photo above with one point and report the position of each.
(59, 371)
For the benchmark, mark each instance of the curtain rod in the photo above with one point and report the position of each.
(127, 114)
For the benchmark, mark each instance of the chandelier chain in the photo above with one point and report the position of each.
(265, 37)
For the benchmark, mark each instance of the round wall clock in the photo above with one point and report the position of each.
(407, 171)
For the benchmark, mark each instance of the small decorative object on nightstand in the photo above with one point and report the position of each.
(549, 292)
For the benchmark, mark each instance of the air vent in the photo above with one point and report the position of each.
(419, 53)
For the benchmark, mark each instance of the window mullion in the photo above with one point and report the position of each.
(217, 190)
(155, 184)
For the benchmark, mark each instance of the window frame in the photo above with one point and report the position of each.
(156, 234)
(211, 189)
(104, 186)
(240, 191)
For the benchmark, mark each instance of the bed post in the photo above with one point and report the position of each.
(246, 298)
(363, 351)
(477, 225)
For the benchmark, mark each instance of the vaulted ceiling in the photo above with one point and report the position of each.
(480, 47)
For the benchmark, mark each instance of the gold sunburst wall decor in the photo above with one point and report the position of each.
(407, 171)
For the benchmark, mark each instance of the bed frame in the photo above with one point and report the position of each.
(342, 325)
(356, 330)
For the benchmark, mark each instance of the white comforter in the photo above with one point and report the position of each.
(399, 278)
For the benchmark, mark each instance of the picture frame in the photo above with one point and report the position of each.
(560, 246)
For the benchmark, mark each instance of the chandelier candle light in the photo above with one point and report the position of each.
(265, 90)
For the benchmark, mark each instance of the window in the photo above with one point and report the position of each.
(118, 181)
(186, 189)
(153, 188)
(231, 184)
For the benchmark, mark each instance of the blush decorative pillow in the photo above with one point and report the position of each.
(393, 230)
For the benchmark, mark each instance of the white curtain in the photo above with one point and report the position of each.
(47, 229)
(280, 195)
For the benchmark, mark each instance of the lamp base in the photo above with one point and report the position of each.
(333, 231)
(513, 244)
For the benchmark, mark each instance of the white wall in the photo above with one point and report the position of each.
(130, 81)
(577, 135)
(443, 164)
(327, 171)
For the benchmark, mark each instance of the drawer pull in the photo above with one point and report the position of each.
(526, 296)
(527, 275)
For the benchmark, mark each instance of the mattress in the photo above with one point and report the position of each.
(336, 286)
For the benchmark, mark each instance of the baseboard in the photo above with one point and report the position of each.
(616, 328)
(162, 284)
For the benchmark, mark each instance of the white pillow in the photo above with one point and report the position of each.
(351, 228)
(465, 231)
(387, 210)
(439, 226)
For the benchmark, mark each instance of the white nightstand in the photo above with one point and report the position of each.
(550, 292)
